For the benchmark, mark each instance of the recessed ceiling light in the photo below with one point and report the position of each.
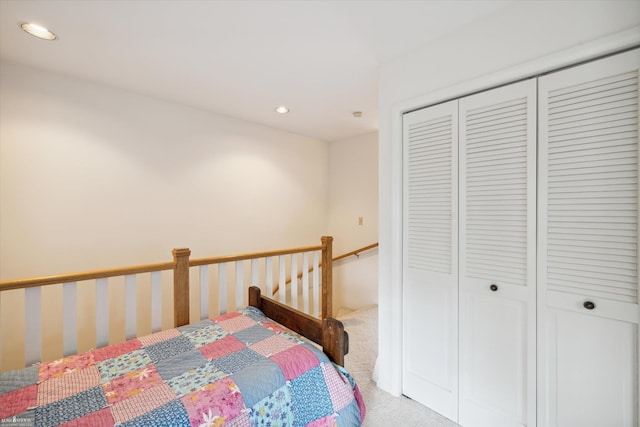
(38, 31)
(282, 109)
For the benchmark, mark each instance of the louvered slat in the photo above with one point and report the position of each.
(593, 188)
(429, 195)
(496, 192)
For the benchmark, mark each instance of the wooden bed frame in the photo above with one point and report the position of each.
(329, 333)
(326, 331)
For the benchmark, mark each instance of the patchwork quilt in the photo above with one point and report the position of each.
(239, 369)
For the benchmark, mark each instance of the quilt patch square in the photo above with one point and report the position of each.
(169, 348)
(142, 403)
(255, 314)
(13, 380)
(236, 324)
(101, 418)
(130, 384)
(60, 367)
(125, 363)
(253, 335)
(272, 345)
(258, 381)
(70, 408)
(157, 337)
(241, 420)
(226, 316)
(310, 397)
(195, 326)
(221, 347)
(339, 387)
(172, 414)
(237, 361)
(58, 388)
(17, 401)
(116, 350)
(328, 421)
(295, 361)
(214, 404)
(205, 335)
(274, 410)
(169, 368)
(195, 379)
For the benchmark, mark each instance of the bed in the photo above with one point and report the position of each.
(264, 365)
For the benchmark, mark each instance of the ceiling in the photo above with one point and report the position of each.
(238, 58)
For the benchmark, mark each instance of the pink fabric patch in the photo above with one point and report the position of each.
(274, 327)
(73, 382)
(116, 350)
(142, 403)
(339, 387)
(221, 347)
(159, 337)
(272, 345)
(360, 402)
(328, 421)
(214, 403)
(131, 384)
(17, 401)
(226, 316)
(60, 367)
(236, 324)
(101, 418)
(295, 361)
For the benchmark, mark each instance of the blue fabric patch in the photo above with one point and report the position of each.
(195, 326)
(253, 335)
(13, 380)
(70, 408)
(349, 415)
(193, 380)
(235, 362)
(273, 411)
(310, 397)
(169, 368)
(255, 314)
(120, 365)
(169, 348)
(170, 414)
(258, 381)
(319, 353)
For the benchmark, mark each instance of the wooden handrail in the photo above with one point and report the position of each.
(338, 258)
(6, 285)
(231, 258)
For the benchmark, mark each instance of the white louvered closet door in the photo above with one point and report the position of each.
(588, 245)
(430, 282)
(497, 257)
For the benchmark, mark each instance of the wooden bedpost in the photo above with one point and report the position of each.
(327, 274)
(181, 287)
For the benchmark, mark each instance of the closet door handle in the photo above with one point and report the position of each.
(589, 305)
(493, 287)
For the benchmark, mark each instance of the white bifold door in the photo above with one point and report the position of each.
(588, 245)
(497, 275)
(430, 254)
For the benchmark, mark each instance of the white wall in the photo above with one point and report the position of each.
(95, 177)
(525, 38)
(353, 193)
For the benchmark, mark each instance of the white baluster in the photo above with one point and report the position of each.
(316, 284)
(69, 318)
(102, 312)
(222, 287)
(204, 292)
(282, 271)
(239, 286)
(254, 273)
(130, 307)
(33, 325)
(305, 282)
(294, 280)
(156, 301)
(269, 274)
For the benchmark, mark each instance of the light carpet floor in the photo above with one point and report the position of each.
(383, 409)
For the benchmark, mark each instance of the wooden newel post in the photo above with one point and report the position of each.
(181, 287)
(327, 274)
